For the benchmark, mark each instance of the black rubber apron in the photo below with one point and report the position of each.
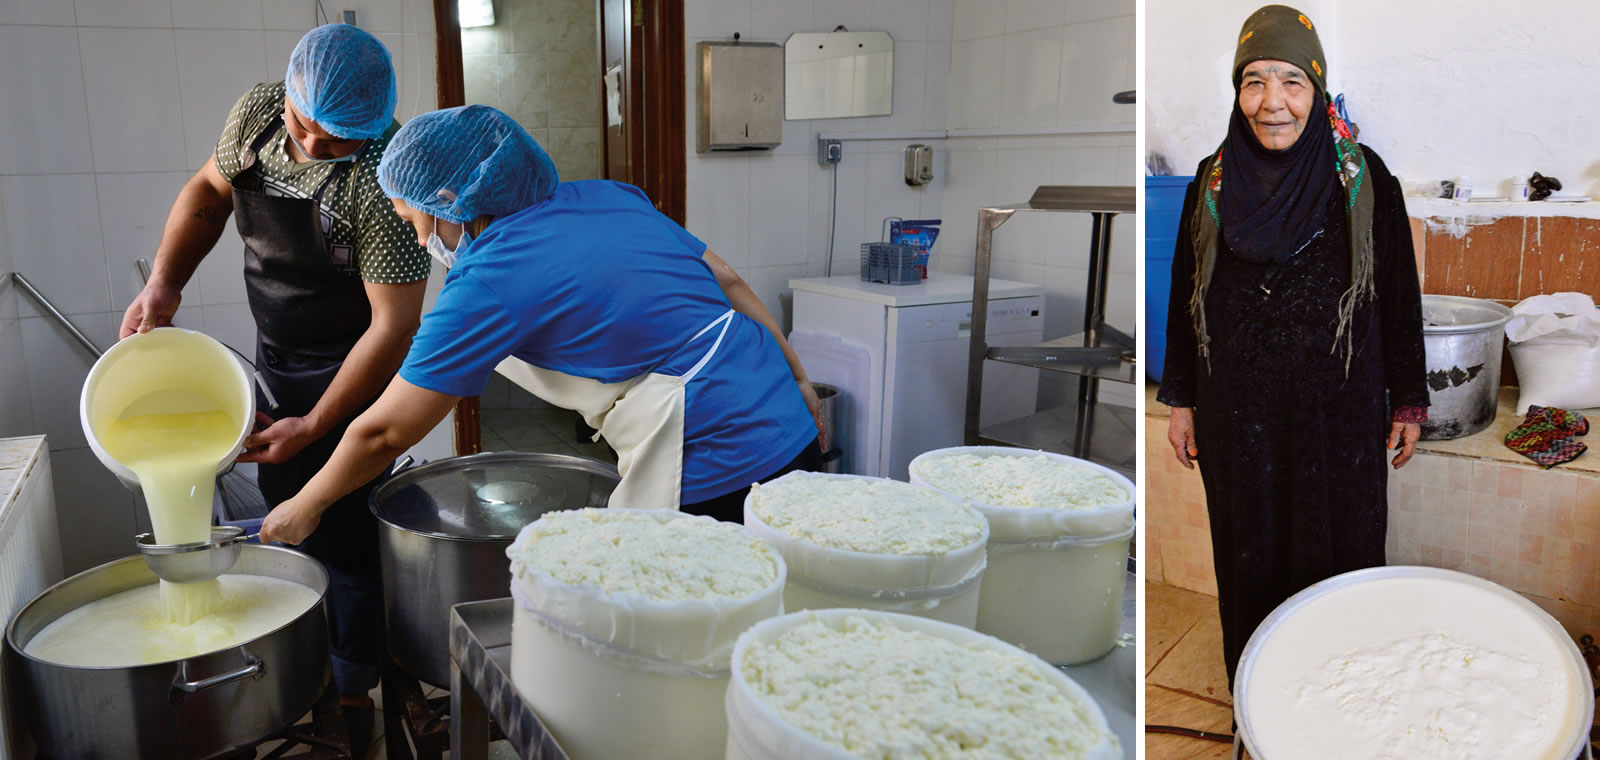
(310, 307)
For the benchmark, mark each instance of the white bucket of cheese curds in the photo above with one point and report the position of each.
(873, 543)
(846, 683)
(625, 622)
(1056, 574)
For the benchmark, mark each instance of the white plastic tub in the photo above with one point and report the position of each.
(1055, 579)
(168, 370)
(620, 675)
(943, 587)
(1328, 668)
(756, 731)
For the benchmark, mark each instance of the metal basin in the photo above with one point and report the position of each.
(191, 708)
(1463, 338)
(444, 531)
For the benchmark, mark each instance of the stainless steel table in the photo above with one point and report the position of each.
(480, 687)
(480, 684)
(1114, 679)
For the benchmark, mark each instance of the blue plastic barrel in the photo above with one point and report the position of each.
(1163, 205)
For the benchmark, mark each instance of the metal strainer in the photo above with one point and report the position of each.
(199, 561)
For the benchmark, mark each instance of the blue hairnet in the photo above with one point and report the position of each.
(462, 163)
(341, 78)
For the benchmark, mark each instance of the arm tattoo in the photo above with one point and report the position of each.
(213, 215)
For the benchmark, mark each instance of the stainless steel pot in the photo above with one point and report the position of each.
(1463, 338)
(444, 531)
(833, 458)
(192, 708)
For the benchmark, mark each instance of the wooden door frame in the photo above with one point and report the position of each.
(662, 126)
(662, 131)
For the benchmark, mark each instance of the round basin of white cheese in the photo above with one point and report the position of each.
(1412, 663)
(628, 618)
(852, 541)
(857, 683)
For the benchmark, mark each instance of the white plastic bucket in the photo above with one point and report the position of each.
(944, 587)
(757, 732)
(1258, 653)
(1056, 577)
(168, 370)
(624, 676)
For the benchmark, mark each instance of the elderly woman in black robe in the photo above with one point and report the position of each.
(1295, 356)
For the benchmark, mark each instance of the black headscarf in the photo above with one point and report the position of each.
(1276, 200)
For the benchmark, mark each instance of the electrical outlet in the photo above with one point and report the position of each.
(350, 17)
(829, 151)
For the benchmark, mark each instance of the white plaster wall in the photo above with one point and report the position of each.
(1440, 91)
(1476, 88)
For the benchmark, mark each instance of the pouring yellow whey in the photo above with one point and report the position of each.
(176, 456)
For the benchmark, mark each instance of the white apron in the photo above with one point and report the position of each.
(641, 418)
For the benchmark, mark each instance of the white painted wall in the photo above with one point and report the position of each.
(1042, 64)
(1468, 89)
(767, 212)
(125, 100)
(1475, 90)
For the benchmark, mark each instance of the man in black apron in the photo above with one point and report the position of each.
(335, 282)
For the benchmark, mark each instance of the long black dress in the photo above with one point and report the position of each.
(1291, 449)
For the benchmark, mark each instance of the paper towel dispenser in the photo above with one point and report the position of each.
(739, 95)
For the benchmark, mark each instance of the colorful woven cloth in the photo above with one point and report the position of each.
(1548, 436)
(1412, 414)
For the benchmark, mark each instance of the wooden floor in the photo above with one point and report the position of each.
(1186, 683)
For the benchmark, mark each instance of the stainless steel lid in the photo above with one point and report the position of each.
(1460, 314)
(490, 497)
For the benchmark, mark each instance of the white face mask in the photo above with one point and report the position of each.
(436, 248)
(313, 159)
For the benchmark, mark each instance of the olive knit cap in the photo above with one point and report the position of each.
(1281, 33)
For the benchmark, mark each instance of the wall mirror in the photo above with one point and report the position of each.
(836, 75)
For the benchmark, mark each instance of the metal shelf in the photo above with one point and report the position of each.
(1100, 352)
(1112, 440)
(1081, 354)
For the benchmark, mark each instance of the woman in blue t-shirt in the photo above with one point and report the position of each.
(587, 296)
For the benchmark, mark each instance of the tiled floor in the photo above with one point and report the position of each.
(1186, 683)
(550, 431)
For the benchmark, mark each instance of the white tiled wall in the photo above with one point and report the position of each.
(16, 412)
(1042, 64)
(536, 63)
(959, 64)
(124, 101)
(30, 555)
(767, 212)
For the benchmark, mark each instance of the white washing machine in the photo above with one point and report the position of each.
(898, 354)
